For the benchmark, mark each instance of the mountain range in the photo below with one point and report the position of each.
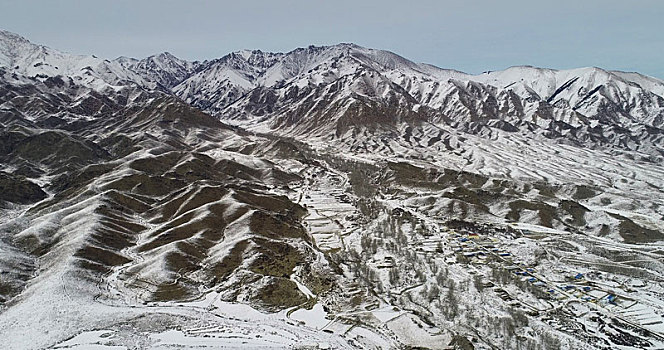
(146, 196)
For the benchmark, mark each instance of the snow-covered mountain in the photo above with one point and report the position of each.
(164, 68)
(327, 197)
(272, 91)
(523, 97)
(591, 92)
(222, 81)
(20, 56)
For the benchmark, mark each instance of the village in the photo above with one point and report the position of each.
(554, 277)
(582, 292)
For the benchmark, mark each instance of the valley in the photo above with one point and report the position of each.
(326, 198)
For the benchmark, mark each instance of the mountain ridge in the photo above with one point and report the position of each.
(570, 104)
(336, 196)
(7, 35)
(624, 110)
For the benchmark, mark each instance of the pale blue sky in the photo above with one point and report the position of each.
(470, 35)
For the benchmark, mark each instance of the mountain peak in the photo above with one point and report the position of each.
(163, 68)
(13, 46)
(247, 53)
(167, 54)
(7, 35)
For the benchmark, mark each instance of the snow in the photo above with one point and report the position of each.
(28, 59)
(93, 340)
(387, 313)
(411, 332)
(649, 83)
(629, 185)
(314, 318)
(306, 291)
(215, 339)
